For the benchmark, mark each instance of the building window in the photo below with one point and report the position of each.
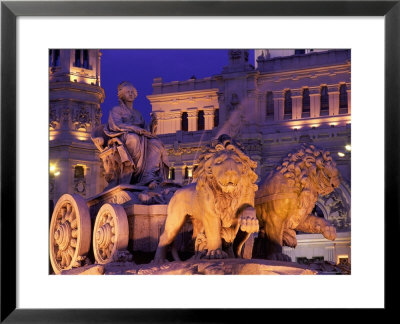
(82, 59)
(343, 260)
(79, 180)
(77, 62)
(200, 120)
(343, 104)
(85, 59)
(216, 117)
(270, 105)
(54, 57)
(79, 172)
(185, 122)
(299, 51)
(171, 173)
(305, 104)
(186, 174)
(324, 110)
(288, 105)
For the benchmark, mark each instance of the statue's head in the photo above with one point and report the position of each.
(225, 167)
(126, 91)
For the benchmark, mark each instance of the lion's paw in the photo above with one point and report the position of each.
(215, 254)
(329, 232)
(248, 221)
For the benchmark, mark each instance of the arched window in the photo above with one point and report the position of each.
(270, 106)
(200, 120)
(305, 104)
(86, 59)
(343, 104)
(216, 117)
(78, 62)
(324, 110)
(171, 173)
(288, 105)
(185, 122)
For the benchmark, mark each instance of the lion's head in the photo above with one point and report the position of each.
(226, 168)
(310, 167)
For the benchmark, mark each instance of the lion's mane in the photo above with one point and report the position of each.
(226, 204)
(305, 168)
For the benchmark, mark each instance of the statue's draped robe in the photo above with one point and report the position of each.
(147, 154)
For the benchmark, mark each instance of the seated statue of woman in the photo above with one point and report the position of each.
(142, 158)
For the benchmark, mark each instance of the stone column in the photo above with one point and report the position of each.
(179, 173)
(296, 103)
(315, 102)
(333, 92)
(98, 67)
(262, 104)
(176, 121)
(252, 114)
(208, 118)
(278, 105)
(167, 123)
(348, 86)
(192, 119)
(330, 253)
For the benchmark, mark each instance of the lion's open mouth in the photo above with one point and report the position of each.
(227, 184)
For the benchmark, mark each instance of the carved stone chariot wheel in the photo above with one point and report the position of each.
(70, 233)
(110, 233)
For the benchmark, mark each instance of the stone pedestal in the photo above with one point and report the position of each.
(212, 267)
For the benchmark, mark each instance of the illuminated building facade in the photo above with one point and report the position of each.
(289, 98)
(75, 97)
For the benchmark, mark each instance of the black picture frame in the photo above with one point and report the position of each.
(10, 10)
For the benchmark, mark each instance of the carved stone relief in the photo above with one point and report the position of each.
(81, 118)
(336, 209)
(54, 118)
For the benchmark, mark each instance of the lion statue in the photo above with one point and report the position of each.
(220, 204)
(287, 197)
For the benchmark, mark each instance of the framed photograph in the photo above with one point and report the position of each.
(365, 31)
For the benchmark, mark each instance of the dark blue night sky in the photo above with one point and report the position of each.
(141, 66)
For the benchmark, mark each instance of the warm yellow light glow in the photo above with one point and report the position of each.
(348, 147)
(333, 124)
(190, 172)
(341, 154)
(52, 167)
(57, 173)
(315, 125)
(341, 256)
(296, 127)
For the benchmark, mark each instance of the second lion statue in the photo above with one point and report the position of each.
(288, 194)
(220, 204)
